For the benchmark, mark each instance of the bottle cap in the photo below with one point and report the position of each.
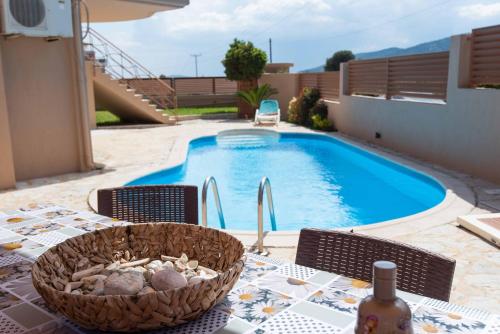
(384, 270)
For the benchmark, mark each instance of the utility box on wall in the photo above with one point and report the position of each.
(37, 18)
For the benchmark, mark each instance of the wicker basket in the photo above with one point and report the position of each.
(212, 248)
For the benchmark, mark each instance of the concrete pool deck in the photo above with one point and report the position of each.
(128, 153)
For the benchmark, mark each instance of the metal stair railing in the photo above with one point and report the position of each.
(120, 66)
(265, 184)
(211, 181)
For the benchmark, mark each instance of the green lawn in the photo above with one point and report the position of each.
(105, 118)
(204, 110)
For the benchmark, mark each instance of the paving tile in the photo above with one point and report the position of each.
(9, 326)
(352, 286)
(53, 213)
(337, 300)
(50, 238)
(11, 259)
(322, 277)
(53, 327)
(296, 271)
(23, 288)
(208, 323)
(36, 316)
(289, 322)
(7, 299)
(235, 326)
(289, 286)
(430, 320)
(255, 305)
(90, 226)
(15, 271)
(38, 228)
(71, 232)
(33, 254)
(254, 269)
(17, 246)
(5, 234)
(329, 316)
(15, 220)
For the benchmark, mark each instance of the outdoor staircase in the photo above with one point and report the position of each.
(119, 84)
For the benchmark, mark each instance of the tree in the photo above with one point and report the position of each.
(244, 62)
(343, 56)
(254, 97)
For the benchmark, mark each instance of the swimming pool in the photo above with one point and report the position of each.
(317, 181)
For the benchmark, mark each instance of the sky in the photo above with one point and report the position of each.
(304, 32)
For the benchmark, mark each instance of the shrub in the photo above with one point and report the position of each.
(310, 96)
(322, 124)
(339, 57)
(294, 110)
(254, 97)
(244, 62)
(320, 109)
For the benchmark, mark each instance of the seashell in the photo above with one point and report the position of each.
(207, 270)
(113, 266)
(184, 258)
(181, 266)
(154, 264)
(83, 262)
(137, 269)
(193, 264)
(206, 275)
(168, 264)
(148, 274)
(92, 279)
(190, 273)
(195, 280)
(169, 258)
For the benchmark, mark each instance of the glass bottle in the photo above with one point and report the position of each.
(383, 312)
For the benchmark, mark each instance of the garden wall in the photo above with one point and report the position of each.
(462, 133)
(44, 128)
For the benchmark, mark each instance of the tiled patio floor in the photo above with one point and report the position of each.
(127, 153)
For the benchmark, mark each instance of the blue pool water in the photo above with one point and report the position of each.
(317, 181)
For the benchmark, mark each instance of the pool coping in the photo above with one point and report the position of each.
(459, 200)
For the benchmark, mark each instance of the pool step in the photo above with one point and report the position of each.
(246, 140)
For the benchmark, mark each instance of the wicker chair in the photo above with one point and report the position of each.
(150, 204)
(352, 255)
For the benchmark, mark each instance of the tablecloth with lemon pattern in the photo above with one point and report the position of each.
(270, 297)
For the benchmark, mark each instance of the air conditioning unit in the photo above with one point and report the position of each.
(37, 18)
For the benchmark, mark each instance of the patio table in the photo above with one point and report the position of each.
(271, 296)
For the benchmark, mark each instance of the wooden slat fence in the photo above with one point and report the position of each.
(328, 83)
(420, 76)
(193, 92)
(485, 56)
(203, 86)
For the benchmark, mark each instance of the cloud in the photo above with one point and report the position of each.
(479, 11)
(226, 16)
(304, 32)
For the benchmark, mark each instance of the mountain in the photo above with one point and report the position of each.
(434, 46)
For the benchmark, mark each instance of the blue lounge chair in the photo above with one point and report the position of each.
(269, 111)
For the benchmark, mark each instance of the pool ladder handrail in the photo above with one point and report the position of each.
(265, 184)
(211, 180)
